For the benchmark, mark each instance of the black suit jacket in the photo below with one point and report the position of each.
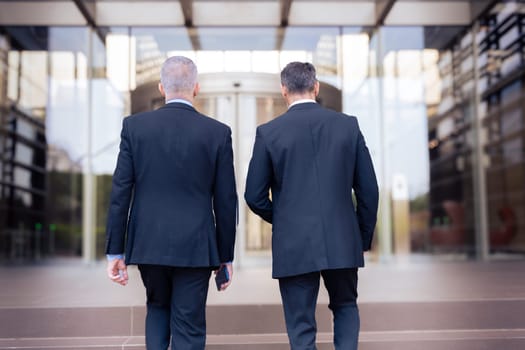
(175, 178)
(311, 159)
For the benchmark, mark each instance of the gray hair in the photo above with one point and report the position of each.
(178, 74)
(298, 77)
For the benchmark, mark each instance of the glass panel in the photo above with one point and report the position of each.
(110, 102)
(23, 191)
(45, 111)
(33, 82)
(13, 75)
(431, 186)
(503, 112)
(66, 129)
(4, 66)
(451, 199)
(24, 153)
(231, 49)
(256, 110)
(151, 47)
(320, 46)
(233, 39)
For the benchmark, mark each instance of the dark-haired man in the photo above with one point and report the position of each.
(311, 159)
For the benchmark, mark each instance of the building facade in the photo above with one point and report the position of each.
(437, 87)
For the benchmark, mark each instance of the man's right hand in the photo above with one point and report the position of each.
(118, 271)
(229, 267)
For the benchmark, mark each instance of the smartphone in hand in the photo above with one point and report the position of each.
(222, 276)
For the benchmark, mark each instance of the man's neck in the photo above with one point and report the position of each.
(298, 97)
(179, 97)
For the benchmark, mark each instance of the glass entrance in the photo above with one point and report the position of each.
(243, 101)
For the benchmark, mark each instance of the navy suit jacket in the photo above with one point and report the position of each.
(173, 200)
(311, 158)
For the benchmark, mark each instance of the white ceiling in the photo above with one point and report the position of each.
(237, 13)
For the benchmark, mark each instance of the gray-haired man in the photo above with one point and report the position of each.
(178, 164)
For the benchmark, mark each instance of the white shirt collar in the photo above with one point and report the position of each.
(180, 100)
(306, 100)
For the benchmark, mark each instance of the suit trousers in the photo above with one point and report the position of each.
(299, 295)
(176, 306)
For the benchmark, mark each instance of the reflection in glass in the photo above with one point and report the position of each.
(258, 231)
(234, 39)
(411, 88)
(13, 76)
(320, 46)
(23, 182)
(502, 94)
(33, 82)
(110, 102)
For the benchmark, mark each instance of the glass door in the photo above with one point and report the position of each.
(244, 101)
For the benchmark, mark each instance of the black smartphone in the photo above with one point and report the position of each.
(222, 276)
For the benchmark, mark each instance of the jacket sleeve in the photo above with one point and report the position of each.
(258, 181)
(120, 198)
(366, 192)
(225, 200)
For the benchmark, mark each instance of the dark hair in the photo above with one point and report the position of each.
(298, 77)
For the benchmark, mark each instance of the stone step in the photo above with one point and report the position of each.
(264, 319)
(394, 340)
